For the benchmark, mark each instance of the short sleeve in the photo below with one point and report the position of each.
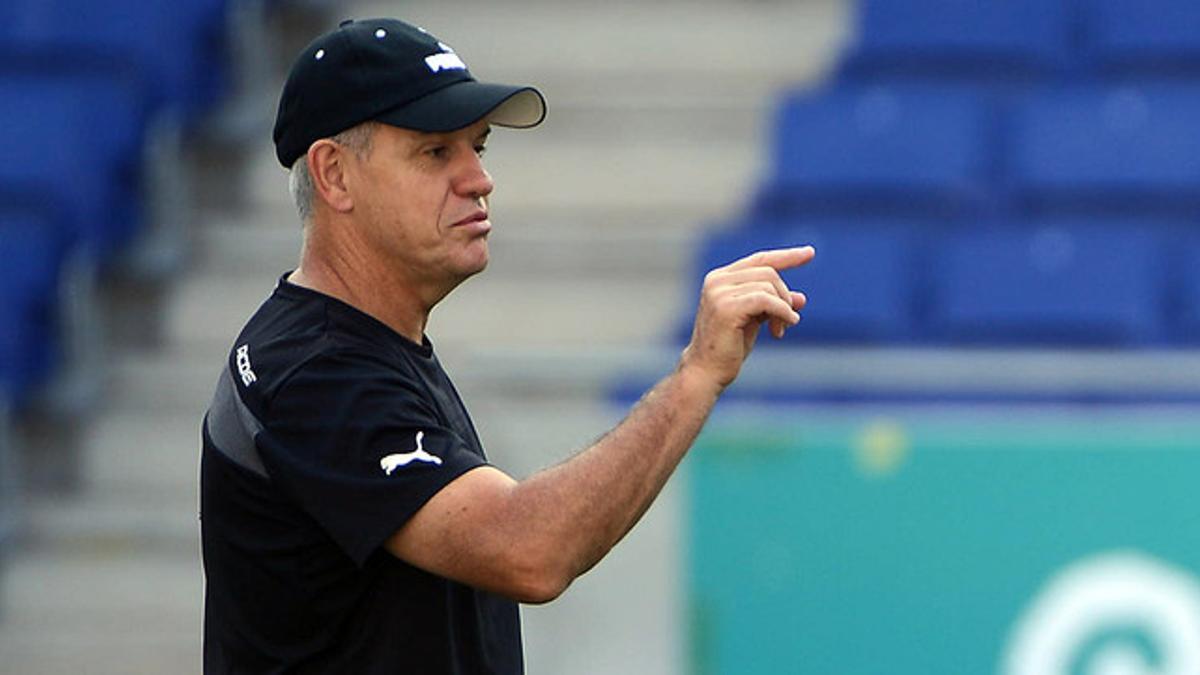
(359, 446)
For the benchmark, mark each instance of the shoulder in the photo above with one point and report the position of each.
(334, 375)
(298, 337)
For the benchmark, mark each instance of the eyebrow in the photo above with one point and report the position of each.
(426, 137)
(441, 136)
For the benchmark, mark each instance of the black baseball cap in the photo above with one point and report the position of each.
(393, 72)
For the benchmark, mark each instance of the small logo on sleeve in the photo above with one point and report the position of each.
(243, 365)
(398, 459)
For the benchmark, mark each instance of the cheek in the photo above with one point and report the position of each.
(411, 226)
(406, 213)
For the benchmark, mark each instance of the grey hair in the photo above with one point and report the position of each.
(356, 139)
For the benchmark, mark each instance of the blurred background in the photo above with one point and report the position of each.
(976, 454)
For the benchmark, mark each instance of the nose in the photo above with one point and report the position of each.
(473, 181)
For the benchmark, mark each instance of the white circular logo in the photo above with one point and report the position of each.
(1118, 613)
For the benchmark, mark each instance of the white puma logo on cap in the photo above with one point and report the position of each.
(447, 60)
(399, 459)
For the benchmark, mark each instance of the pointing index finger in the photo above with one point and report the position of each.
(779, 259)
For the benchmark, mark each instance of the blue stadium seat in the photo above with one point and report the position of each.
(116, 106)
(890, 151)
(1123, 149)
(175, 46)
(1051, 283)
(68, 150)
(32, 250)
(975, 40)
(1140, 39)
(862, 284)
(1187, 325)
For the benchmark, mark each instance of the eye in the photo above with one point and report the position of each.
(437, 151)
(480, 149)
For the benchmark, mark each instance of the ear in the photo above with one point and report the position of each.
(327, 164)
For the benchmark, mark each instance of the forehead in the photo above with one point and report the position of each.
(412, 137)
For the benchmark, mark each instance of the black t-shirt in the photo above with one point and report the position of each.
(327, 431)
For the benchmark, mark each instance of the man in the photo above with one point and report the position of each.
(351, 523)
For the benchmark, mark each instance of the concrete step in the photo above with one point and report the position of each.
(101, 611)
(135, 487)
(172, 381)
(150, 452)
(561, 313)
(128, 523)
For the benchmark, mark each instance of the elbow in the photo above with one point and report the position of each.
(537, 580)
(538, 591)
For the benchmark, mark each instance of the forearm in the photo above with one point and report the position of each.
(530, 539)
(577, 511)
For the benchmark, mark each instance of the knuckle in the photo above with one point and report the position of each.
(712, 278)
(716, 292)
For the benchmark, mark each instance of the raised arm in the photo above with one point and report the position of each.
(529, 540)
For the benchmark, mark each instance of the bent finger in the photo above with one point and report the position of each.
(760, 306)
(758, 274)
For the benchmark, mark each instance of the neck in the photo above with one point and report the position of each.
(350, 274)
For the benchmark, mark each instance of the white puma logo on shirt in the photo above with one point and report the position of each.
(399, 459)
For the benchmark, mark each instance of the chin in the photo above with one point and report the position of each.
(475, 269)
(484, 251)
(477, 262)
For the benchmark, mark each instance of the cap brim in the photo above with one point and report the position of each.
(462, 104)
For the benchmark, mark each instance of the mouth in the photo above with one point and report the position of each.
(476, 217)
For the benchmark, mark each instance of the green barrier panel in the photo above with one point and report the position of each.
(1015, 544)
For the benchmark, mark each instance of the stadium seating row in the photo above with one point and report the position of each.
(83, 85)
(96, 97)
(1055, 282)
(33, 251)
(1018, 41)
(1002, 172)
(954, 152)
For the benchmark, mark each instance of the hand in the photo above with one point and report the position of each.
(734, 303)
